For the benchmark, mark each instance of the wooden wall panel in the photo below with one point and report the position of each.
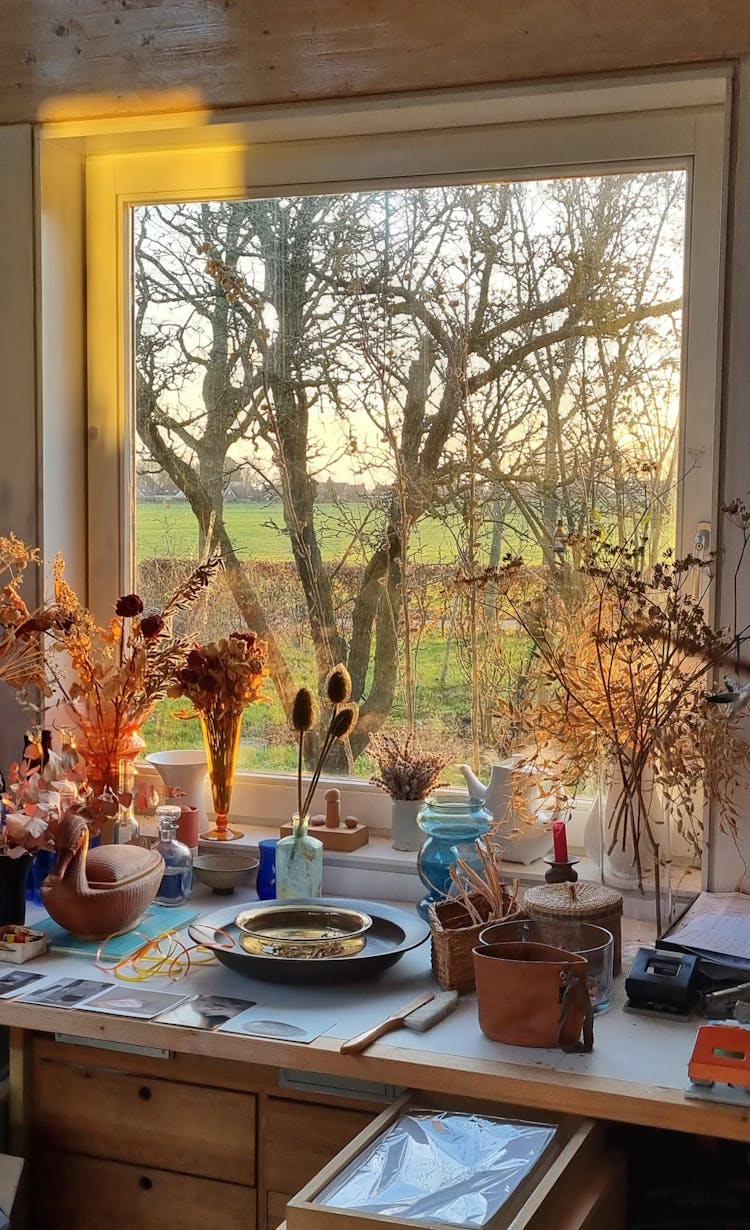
(95, 57)
(19, 456)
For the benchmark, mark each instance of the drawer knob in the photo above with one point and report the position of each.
(146, 1183)
(144, 1093)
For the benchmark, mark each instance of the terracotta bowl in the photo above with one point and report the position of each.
(225, 871)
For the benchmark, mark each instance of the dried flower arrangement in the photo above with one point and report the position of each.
(41, 794)
(304, 718)
(119, 671)
(617, 679)
(221, 679)
(21, 630)
(403, 771)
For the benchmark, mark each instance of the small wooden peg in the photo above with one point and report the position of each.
(333, 808)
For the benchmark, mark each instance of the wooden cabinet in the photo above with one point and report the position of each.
(125, 1140)
(119, 1141)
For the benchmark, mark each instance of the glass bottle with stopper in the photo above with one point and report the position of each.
(177, 881)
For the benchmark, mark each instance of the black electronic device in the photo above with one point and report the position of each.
(663, 982)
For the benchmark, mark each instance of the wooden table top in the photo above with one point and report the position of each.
(636, 1073)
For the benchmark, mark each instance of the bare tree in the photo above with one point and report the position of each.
(424, 341)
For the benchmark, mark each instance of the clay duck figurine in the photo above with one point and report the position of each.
(106, 891)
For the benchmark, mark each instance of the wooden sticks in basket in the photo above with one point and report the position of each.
(487, 884)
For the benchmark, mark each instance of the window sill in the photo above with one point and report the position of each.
(379, 872)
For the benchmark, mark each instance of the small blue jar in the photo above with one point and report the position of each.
(452, 828)
(265, 884)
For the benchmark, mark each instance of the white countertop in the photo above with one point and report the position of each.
(628, 1047)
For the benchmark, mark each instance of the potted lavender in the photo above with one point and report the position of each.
(408, 776)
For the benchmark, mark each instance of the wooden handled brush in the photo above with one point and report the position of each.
(420, 1015)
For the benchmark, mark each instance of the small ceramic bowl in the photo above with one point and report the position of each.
(225, 871)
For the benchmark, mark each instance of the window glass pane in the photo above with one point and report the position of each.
(355, 397)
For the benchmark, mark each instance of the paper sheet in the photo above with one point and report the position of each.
(717, 923)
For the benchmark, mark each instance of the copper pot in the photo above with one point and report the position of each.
(527, 995)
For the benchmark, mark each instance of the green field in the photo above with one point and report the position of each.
(169, 530)
(257, 531)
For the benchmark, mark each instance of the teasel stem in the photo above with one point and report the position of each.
(300, 739)
(327, 745)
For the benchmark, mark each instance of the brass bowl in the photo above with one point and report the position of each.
(303, 932)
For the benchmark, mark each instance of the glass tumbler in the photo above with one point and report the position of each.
(585, 939)
(265, 884)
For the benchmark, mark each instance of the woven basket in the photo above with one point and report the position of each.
(592, 903)
(454, 938)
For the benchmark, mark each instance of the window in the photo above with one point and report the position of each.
(363, 366)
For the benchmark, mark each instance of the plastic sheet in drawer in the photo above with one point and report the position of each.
(448, 1166)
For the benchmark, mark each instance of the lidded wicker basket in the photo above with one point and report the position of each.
(581, 902)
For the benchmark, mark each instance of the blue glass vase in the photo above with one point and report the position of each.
(41, 865)
(452, 829)
(265, 884)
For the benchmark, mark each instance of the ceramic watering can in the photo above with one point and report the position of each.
(518, 842)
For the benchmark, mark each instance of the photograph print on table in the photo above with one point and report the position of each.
(206, 1011)
(127, 1001)
(15, 979)
(65, 993)
(287, 1024)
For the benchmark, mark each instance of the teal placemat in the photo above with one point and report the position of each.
(157, 920)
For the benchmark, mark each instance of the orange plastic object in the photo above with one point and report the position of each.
(721, 1053)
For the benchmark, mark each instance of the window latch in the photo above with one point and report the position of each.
(701, 544)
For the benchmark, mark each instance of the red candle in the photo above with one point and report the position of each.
(560, 841)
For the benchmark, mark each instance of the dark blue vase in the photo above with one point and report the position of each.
(14, 874)
(265, 885)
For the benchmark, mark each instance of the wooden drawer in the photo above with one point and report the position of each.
(299, 1138)
(575, 1185)
(84, 1193)
(191, 1129)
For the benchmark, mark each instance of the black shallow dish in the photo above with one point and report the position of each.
(393, 933)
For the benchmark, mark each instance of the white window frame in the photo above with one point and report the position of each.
(679, 119)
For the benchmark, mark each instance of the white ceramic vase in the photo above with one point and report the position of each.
(185, 769)
(405, 832)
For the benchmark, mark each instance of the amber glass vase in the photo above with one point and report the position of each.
(221, 735)
(104, 743)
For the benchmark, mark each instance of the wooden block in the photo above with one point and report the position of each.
(72, 1192)
(342, 839)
